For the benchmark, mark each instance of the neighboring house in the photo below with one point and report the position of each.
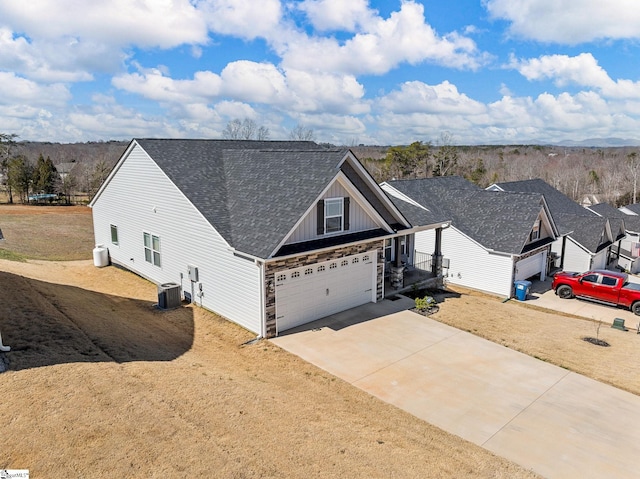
(494, 239)
(269, 234)
(585, 238)
(629, 247)
(65, 169)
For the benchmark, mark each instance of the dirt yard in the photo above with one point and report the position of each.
(102, 384)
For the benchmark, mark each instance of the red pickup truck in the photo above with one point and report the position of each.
(603, 286)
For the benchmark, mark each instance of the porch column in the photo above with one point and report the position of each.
(436, 257)
(397, 270)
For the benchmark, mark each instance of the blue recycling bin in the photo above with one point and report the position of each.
(522, 289)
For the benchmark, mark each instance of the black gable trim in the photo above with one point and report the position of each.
(328, 242)
(537, 244)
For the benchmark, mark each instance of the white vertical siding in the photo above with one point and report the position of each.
(470, 265)
(359, 219)
(140, 198)
(576, 258)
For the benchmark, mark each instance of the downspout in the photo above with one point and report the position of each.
(562, 251)
(263, 295)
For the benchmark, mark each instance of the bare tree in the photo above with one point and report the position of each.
(233, 130)
(246, 129)
(633, 166)
(299, 132)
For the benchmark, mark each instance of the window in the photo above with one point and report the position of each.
(152, 249)
(333, 215)
(388, 250)
(308, 271)
(114, 234)
(281, 277)
(590, 278)
(333, 265)
(355, 260)
(295, 274)
(535, 232)
(609, 281)
(344, 263)
(320, 268)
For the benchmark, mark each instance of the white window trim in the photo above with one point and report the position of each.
(113, 228)
(327, 216)
(535, 232)
(152, 251)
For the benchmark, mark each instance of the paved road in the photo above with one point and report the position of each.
(545, 418)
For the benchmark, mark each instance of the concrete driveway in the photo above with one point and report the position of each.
(544, 297)
(545, 418)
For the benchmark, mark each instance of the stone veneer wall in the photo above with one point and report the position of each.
(305, 259)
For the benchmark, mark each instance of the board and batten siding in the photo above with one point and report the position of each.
(359, 219)
(141, 198)
(470, 265)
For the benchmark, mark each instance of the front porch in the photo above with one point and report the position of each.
(407, 277)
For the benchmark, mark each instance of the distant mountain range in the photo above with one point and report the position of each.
(599, 142)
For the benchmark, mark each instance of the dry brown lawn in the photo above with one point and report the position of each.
(101, 384)
(549, 336)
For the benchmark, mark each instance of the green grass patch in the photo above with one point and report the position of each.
(11, 256)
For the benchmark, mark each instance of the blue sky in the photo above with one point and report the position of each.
(353, 71)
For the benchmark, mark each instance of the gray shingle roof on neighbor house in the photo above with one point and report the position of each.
(558, 202)
(635, 208)
(498, 221)
(581, 224)
(617, 218)
(586, 230)
(252, 192)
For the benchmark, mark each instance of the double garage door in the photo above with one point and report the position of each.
(314, 291)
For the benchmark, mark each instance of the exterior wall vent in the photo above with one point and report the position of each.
(169, 296)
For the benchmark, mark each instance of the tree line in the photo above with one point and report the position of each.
(610, 174)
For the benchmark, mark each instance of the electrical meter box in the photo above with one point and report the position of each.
(193, 273)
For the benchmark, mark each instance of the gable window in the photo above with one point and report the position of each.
(333, 211)
(333, 215)
(114, 234)
(152, 249)
(535, 232)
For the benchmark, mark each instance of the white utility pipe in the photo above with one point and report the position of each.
(4, 348)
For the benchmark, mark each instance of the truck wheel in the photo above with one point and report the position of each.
(635, 307)
(565, 292)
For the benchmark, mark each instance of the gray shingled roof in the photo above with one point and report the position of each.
(558, 202)
(252, 192)
(586, 230)
(617, 219)
(585, 226)
(634, 207)
(498, 221)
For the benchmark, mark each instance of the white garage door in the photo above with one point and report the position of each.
(318, 290)
(530, 266)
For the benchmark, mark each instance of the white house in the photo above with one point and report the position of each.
(585, 239)
(494, 239)
(270, 235)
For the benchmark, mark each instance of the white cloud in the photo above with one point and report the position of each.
(582, 70)
(418, 97)
(569, 21)
(338, 14)
(150, 23)
(15, 90)
(246, 19)
(154, 85)
(386, 43)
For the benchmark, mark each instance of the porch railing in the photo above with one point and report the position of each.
(422, 261)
